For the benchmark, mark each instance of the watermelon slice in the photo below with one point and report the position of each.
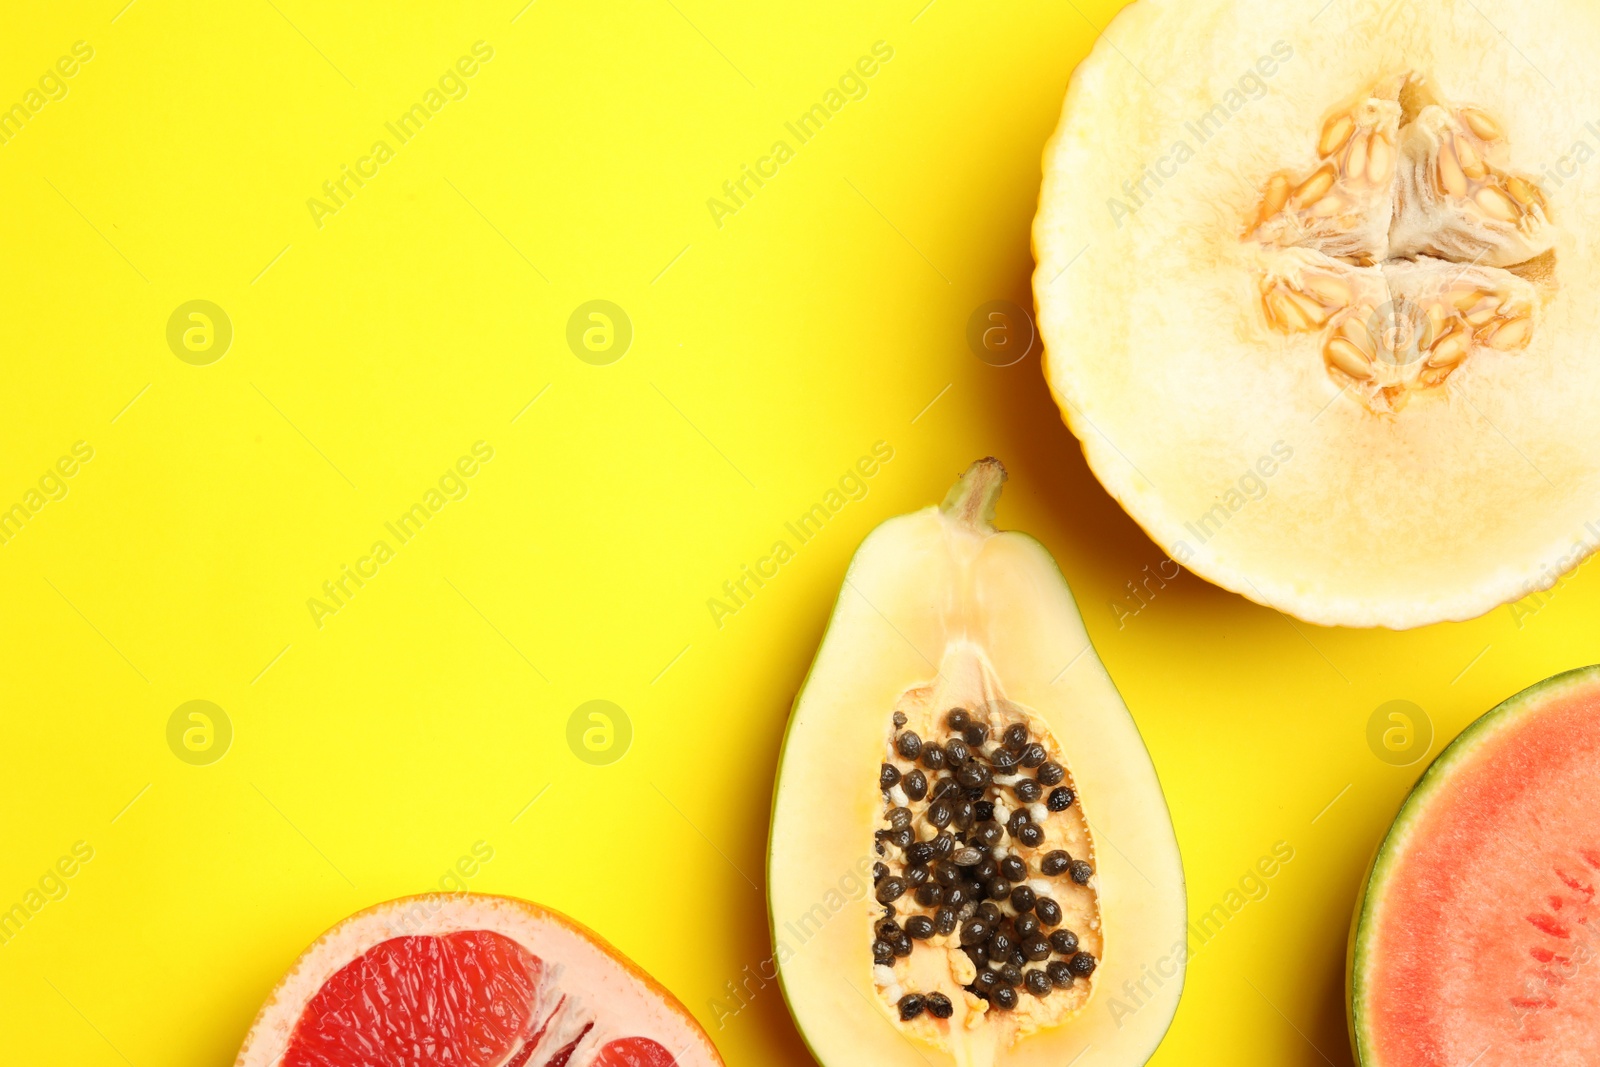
(466, 980)
(1476, 941)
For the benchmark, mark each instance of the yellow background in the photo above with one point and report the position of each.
(829, 313)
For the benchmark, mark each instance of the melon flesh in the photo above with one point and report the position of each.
(1318, 290)
(1478, 940)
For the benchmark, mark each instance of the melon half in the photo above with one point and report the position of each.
(1317, 288)
(1477, 938)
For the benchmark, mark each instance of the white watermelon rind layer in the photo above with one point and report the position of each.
(1429, 787)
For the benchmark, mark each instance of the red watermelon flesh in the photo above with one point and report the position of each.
(1478, 941)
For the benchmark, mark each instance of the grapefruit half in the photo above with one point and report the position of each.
(467, 980)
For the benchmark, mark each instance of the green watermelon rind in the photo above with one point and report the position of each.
(1430, 785)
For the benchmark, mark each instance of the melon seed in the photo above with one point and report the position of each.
(1334, 134)
(910, 1007)
(1481, 124)
(939, 1006)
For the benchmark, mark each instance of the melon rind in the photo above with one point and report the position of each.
(1413, 809)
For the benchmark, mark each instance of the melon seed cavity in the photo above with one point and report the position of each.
(1408, 246)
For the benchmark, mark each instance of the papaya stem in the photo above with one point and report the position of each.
(971, 501)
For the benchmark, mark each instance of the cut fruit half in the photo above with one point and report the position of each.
(1477, 936)
(470, 981)
(1320, 300)
(971, 858)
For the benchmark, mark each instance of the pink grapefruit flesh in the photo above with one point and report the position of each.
(1478, 938)
(464, 980)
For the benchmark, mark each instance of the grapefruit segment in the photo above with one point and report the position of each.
(465, 980)
(1478, 933)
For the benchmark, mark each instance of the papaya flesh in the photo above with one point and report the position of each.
(971, 857)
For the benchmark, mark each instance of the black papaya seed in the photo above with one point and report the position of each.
(915, 784)
(930, 895)
(975, 932)
(990, 912)
(1060, 798)
(944, 921)
(975, 734)
(1081, 872)
(1082, 964)
(909, 745)
(1013, 867)
(1031, 835)
(1036, 948)
(1015, 737)
(882, 952)
(1048, 911)
(1037, 982)
(920, 928)
(1026, 925)
(939, 1006)
(956, 718)
(1010, 974)
(1051, 773)
(998, 888)
(888, 776)
(1060, 974)
(1064, 942)
(932, 757)
(910, 1006)
(1055, 862)
(956, 752)
(891, 888)
(1028, 790)
(1022, 898)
